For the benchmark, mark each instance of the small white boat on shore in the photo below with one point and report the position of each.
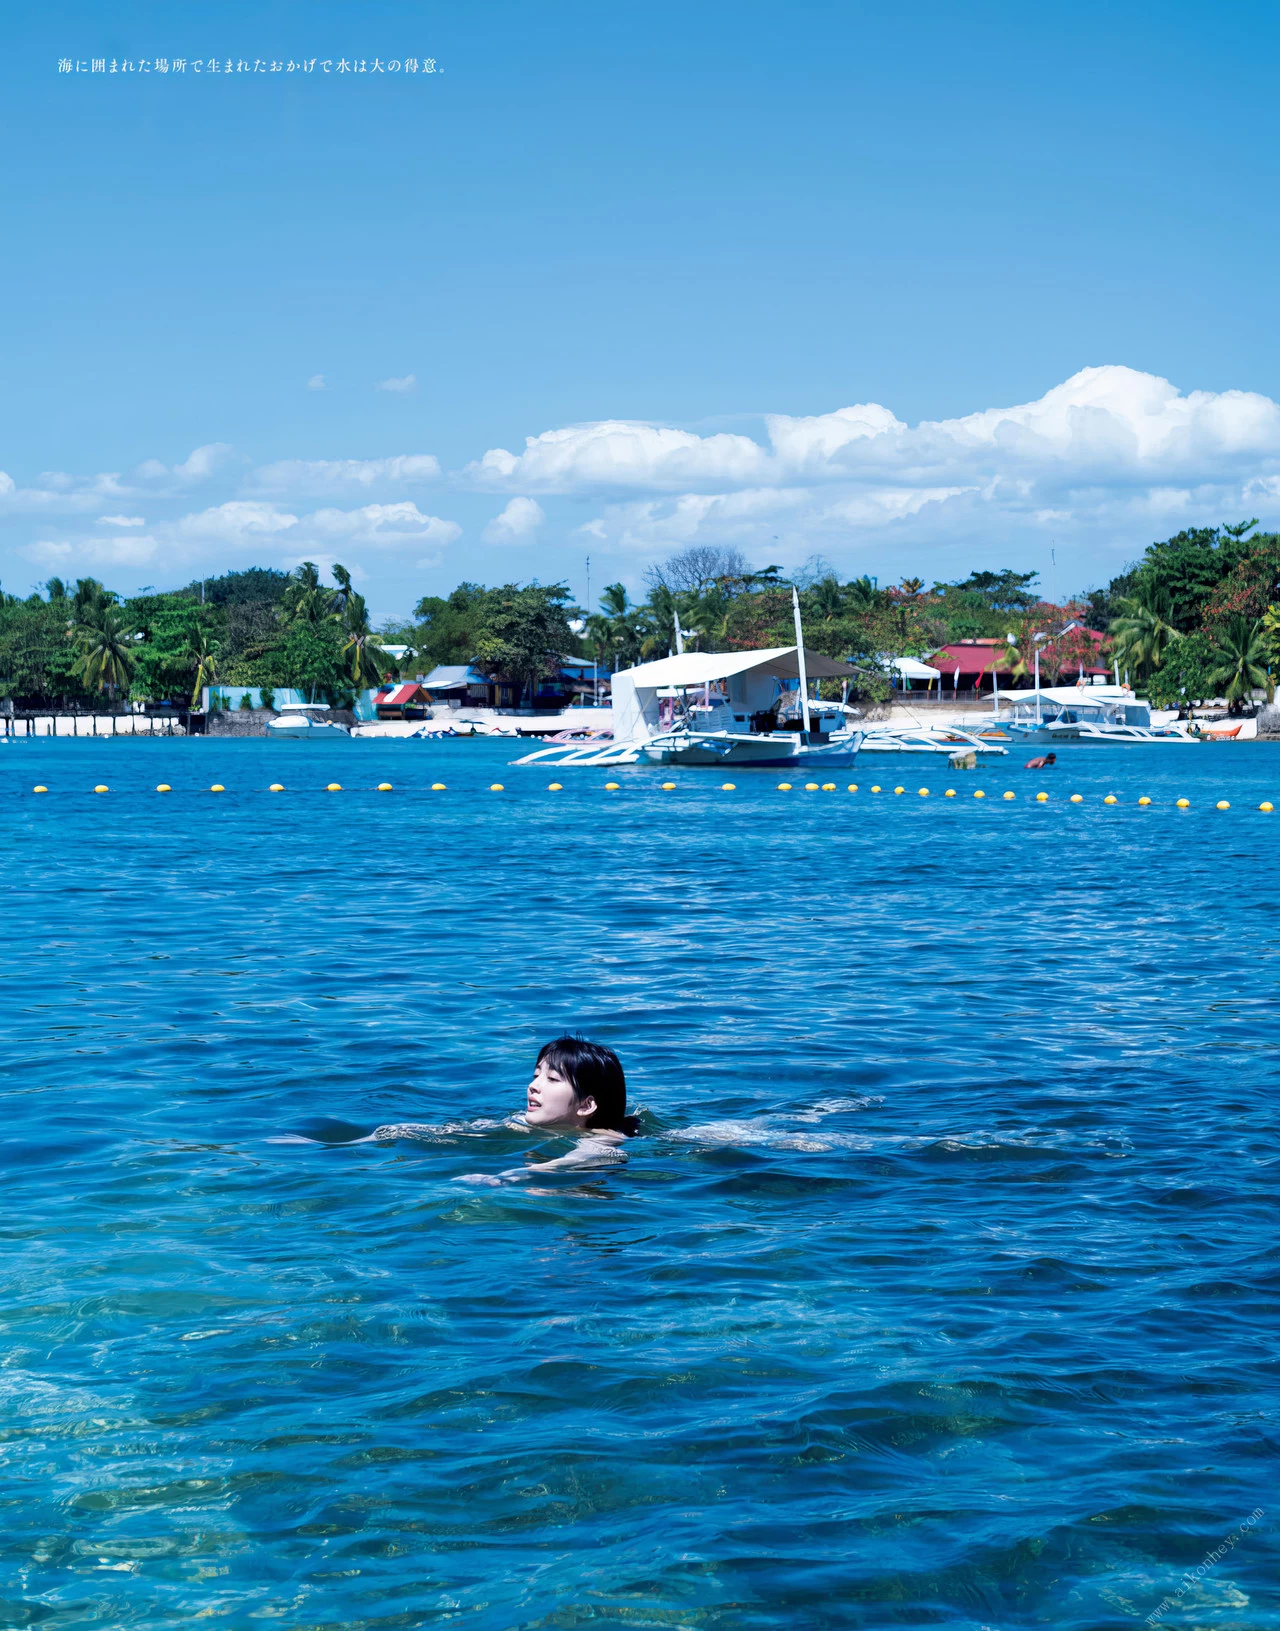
(305, 722)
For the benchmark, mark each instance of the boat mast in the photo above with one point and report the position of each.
(804, 678)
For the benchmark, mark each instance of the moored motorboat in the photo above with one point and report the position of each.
(305, 722)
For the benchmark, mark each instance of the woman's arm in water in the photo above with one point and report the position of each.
(599, 1150)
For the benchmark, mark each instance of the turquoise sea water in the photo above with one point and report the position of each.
(942, 1289)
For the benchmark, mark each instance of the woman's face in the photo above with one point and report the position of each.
(551, 1101)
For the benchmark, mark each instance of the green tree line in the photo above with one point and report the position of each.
(1197, 616)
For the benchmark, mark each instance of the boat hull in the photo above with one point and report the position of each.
(763, 752)
(306, 730)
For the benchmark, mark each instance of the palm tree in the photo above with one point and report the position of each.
(106, 658)
(345, 590)
(366, 659)
(304, 600)
(1240, 652)
(1143, 630)
(206, 658)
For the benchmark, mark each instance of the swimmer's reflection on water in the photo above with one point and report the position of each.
(579, 1089)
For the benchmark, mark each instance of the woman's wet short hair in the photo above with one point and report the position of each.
(593, 1071)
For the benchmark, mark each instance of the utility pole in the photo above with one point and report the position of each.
(595, 660)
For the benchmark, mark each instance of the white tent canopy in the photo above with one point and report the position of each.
(751, 677)
(911, 668)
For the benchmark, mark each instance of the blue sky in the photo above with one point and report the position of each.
(715, 225)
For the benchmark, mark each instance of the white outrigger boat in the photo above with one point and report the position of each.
(304, 722)
(1084, 713)
(666, 713)
(941, 739)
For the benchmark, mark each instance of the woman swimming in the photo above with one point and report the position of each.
(579, 1089)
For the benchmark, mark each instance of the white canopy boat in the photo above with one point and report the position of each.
(666, 713)
(304, 722)
(1083, 713)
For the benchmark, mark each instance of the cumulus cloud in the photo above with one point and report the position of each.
(389, 526)
(256, 521)
(408, 383)
(236, 520)
(1102, 423)
(95, 553)
(316, 383)
(332, 475)
(517, 523)
(1110, 449)
(122, 521)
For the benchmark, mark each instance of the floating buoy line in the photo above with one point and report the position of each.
(1009, 796)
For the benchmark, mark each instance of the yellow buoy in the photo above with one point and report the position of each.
(217, 788)
(385, 787)
(1184, 804)
(811, 787)
(496, 787)
(828, 787)
(950, 793)
(728, 787)
(1267, 807)
(1222, 805)
(1144, 800)
(1042, 798)
(1110, 799)
(41, 789)
(899, 789)
(609, 787)
(164, 788)
(437, 787)
(924, 792)
(277, 787)
(853, 787)
(784, 787)
(1011, 795)
(979, 794)
(668, 787)
(558, 787)
(1077, 798)
(876, 788)
(334, 787)
(101, 788)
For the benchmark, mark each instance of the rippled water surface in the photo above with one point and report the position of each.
(941, 1290)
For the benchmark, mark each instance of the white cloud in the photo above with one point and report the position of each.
(122, 521)
(388, 526)
(517, 523)
(332, 475)
(1110, 453)
(408, 383)
(316, 383)
(237, 520)
(96, 553)
(619, 453)
(1102, 422)
(203, 461)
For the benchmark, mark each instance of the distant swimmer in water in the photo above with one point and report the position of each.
(578, 1090)
(1041, 764)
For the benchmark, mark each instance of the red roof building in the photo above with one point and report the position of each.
(968, 665)
(408, 701)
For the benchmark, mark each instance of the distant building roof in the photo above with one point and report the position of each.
(453, 677)
(397, 696)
